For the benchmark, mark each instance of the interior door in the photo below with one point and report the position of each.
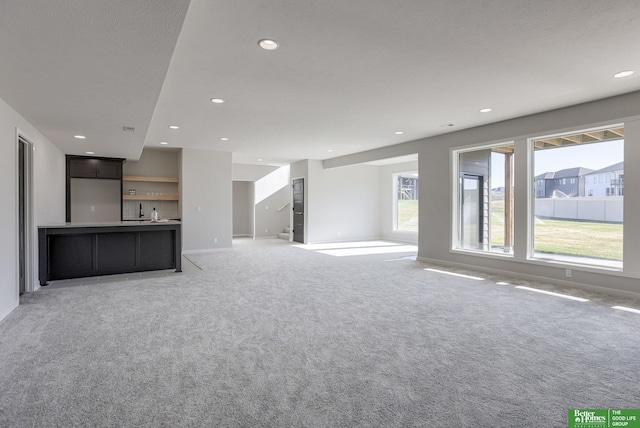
(298, 210)
(22, 256)
(471, 226)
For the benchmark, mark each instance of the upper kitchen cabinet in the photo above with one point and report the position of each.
(89, 167)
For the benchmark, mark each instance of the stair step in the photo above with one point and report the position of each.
(287, 230)
(283, 235)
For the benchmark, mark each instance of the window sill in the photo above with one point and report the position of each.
(478, 253)
(603, 266)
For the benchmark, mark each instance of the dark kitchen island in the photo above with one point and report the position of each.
(75, 250)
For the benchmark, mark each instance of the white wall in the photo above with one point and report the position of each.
(343, 203)
(268, 220)
(272, 192)
(154, 163)
(436, 195)
(207, 200)
(48, 198)
(387, 201)
(245, 172)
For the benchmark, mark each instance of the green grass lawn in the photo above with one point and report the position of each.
(581, 238)
(407, 215)
(569, 237)
(497, 223)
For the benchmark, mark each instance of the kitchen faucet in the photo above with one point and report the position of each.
(141, 213)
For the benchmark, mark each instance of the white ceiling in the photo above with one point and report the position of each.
(347, 75)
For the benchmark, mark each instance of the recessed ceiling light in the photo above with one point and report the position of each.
(259, 160)
(224, 139)
(399, 132)
(164, 143)
(485, 110)
(217, 100)
(624, 73)
(79, 137)
(330, 151)
(174, 127)
(268, 44)
(90, 153)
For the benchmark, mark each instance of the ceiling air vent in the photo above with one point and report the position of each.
(128, 129)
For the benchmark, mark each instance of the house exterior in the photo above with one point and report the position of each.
(541, 184)
(566, 183)
(607, 181)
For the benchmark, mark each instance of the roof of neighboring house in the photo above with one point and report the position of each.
(545, 176)
(564, 173)
(572, 172)
(615, 167)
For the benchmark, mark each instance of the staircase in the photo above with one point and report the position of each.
(285, 234)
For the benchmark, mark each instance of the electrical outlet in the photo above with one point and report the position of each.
(266, 230)
(567, 273)
(215, 240)
(339, 233)
(93, 208)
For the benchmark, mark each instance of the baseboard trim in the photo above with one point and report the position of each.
(536, 278)
(7, 312)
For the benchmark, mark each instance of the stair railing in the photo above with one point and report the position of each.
(283, 206)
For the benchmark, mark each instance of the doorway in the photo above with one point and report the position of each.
(298, 210)
(25, 222)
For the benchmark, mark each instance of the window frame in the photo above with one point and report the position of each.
(454, 236)
(531, 200)
(394, 204)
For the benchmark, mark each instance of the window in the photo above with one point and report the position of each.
(483, 212)
(565, 226)
(406, 202)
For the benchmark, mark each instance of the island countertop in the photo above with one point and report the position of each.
(128, 223)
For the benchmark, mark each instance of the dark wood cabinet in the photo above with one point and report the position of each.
(80, 251)
(83, 167)
(109, 169)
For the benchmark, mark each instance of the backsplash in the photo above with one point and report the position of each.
(166, 209)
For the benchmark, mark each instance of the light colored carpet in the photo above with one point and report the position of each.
(268, 334)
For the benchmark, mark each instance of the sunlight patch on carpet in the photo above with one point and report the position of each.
(477, 278)
(624, 308)
(338, 245)
(551, 293)
(370, 250)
